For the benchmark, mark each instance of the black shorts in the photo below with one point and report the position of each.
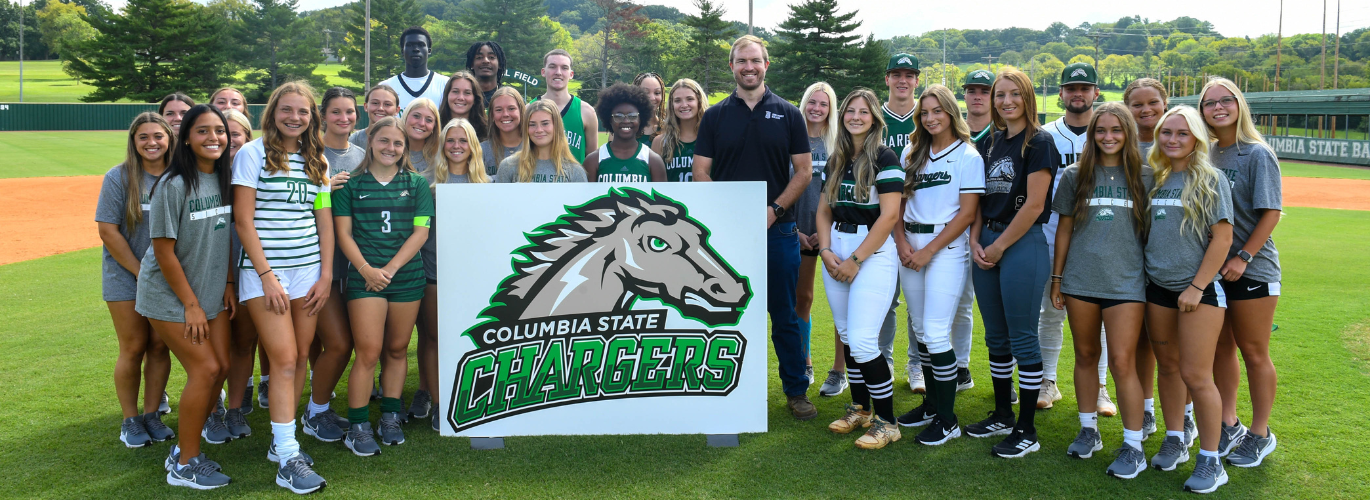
(810, 253)
(1246, 289)
(1213, 296)
(1102, 303)
(431, 282)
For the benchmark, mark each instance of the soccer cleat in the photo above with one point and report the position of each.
(236, 423)
(272, 456)
(199, 474)
(1106, 408)
(834, 385)
(801, 407)
(164, 407)
(919, 416)
(1230, 438)
(963, 379)
(1017, 445)
(422, 404)
(322, 427)
(878, 435)
(1253, 449)
(1049, 395)
(297, 476)
(994, 425)
(1173, 453)
(360, 441)
(915, 374)
(1130, 462)
(939, 432)
(246, 405)
(1086, 443)
(1148, 424)
(389, 429)
(1208, 476)
(1191, 431)
(263, 390)
(214, 430)
(133, 434)
(856, 417)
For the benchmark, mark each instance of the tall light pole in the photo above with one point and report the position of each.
(750, 29)
(1336, 55)
(21, 52)
(367, 56)
(944, 56)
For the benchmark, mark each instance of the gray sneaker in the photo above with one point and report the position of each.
(237, 423)
(272, 456)
(422, 404)
(1130, 462)
(389, 429)
(437, 424)
(1191, 431)
(834, 385)
(360, 441)
(1173, 453)
(214, 431)
(1086, 443)
(339, 421)
(164, 407)
(322, 427)
(199, 474)
(246, 405)
(1253, 449)
(133, 434)
(174, 457)
(808, 374)
(1148, 424)
(1230, 438)
(964, 381)
(1208, 476)
(297, 476)
(155, 428)
(264, 389)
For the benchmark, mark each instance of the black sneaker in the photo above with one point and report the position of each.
(963, 379)
(919, 416)
(939, 432)
(994, 425)
(1016, 445)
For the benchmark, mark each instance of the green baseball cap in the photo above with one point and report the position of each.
(903, 61)
(979, 77)
(1079, 73)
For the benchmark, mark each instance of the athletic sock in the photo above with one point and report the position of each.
(1189, 410)
(943, 384)
(805, 329)
(1178, 434)
(1090, 420)
(391, 405)
(880, 384)
(1149, 404)
(1029, 385)
(925, 365)
(1206, 453)
(315, 409)
(359, 415)
(860, 396)
(1001, 373)
(283, 436)
(1133, 438)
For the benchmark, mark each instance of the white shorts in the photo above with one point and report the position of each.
(296, 281)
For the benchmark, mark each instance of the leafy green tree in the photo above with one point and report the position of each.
(64, 30)
(389, 19)
(816, 43)
(516, 25)
(151, 49)
(706, 50)
(276, 46)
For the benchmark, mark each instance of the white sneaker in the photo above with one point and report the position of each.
(1106, 408)
(1049, 395)
(915, 375)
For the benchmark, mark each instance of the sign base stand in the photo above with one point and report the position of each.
(715, 440)
(493, 443)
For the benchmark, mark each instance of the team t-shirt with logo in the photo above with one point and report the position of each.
(116, 283)
(1174, 249)
(1007, 170)
(889, 178)
(615, 169)
(897, 128)
(200, 222)
(286, 202)
(413, 88)
(1253, 172)
(543, 171)
(938, 186)
(1105, 259)
(383, 218)
(680, 166)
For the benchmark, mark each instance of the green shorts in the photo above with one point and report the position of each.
(406, 286)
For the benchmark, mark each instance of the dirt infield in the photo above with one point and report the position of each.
(44, 216)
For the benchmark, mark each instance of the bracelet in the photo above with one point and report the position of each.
(232, 282)
(1056, 277)
(826, 249)
(1196, 287)
(263, 273)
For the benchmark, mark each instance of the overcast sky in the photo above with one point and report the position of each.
(1230, 17)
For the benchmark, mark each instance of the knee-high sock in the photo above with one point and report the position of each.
(1029, 384)
(860, 396)
(942, 385)
(925, 362)
(880, 384)
(1001, 373)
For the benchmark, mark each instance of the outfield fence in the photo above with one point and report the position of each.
(16, 117)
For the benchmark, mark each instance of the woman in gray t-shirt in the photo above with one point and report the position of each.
(122, 218)
(818, 101)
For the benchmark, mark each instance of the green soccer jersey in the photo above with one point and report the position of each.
(680, 168)
(897, 129)
(575, 128)
(383, 218)
(614, 169)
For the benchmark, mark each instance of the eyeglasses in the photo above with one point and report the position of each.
(1226, 101)
(622, 117)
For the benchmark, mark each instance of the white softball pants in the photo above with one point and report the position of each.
(934, 293)
(859, 308)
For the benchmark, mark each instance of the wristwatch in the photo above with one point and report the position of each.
(1245, 256)
(779, 210)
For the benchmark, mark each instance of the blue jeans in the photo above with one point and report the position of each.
(1010, 295)
(782, 281)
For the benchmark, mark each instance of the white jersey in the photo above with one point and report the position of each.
(286, 202)
(937, 189)
(1069, 146)
(413, 88)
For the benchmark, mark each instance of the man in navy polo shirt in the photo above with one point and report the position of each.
(754, 135)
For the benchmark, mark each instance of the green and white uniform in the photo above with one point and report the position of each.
(383, 218)
(976, 137)
(680, 168)
(615, 169)
(575, 128)
(897, 128)
(284, 220)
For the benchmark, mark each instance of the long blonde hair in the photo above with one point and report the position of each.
(1024, 84)
(1246, 127)
(920, 141)
(1132, 169)
(670, 123)
(475, 163)
(829, 129)
(1199, 199)
(311, 142)
(132, 167)
(239, 118)
(561, 152)
(496, 141)
(864, 165)
(402, 162)
(432, 147)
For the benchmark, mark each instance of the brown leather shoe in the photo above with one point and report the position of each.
(801, 408)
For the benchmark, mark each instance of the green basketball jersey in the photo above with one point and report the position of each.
(383, 218)
(645, 140)
(897, 129)
(575, 128)
(614, 169)
(680, 168)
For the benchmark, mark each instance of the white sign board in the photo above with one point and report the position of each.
(602, 309)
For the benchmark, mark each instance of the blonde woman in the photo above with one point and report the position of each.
(820, 120)
(506, 128)
(856, 214)
(676, 142)
(420, 122)
(545, 156)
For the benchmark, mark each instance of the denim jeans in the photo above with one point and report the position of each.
(782, 280)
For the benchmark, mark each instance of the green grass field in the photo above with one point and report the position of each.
(44, 81)
(57, 351)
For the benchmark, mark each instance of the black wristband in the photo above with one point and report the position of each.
(1196, 287)
(263, 273)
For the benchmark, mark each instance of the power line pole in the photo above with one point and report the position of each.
(944, 56)
(21, 53)
(990, 61)
(1279, 44)
(367, 62)
(750, 28)
(1336, 55)
(1097, 37)
(1322, 78)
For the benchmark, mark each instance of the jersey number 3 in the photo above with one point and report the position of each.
(385, 218)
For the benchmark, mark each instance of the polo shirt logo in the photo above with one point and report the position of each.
(777, 116)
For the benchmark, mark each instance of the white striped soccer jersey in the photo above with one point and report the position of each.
(286, 202)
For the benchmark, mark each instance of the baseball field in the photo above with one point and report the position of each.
(61, 418)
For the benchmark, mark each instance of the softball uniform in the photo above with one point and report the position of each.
(1253, 174)
(1174, 251)
(615, 169)
(680, 167)
(116, 283)
(897, 128)
(383, 218)
(1106, 267)
(199, 222)
(284, 220)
